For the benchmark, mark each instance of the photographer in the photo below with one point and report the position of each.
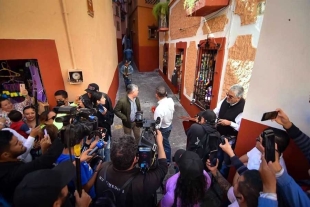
(202, 136)
(73, 135)
(142, 190)
(301, 139)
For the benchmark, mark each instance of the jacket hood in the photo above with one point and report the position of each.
(208, 128)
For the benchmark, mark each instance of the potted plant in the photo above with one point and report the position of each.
(160, 12)
(203, 7)
(189, 5)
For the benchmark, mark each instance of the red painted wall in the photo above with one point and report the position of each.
(114, 86)
(148, 58)
(119, 50)
(296, 163)
(45, 52)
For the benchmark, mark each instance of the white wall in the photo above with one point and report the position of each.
(232, 30)
(281, 74)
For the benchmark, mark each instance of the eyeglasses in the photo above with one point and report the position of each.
(229, 96)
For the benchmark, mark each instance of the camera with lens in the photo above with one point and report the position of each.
(83, 120)
(147, 150)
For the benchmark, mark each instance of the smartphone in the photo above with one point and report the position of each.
(269, 115)
(22, 87)
(45, 132)
(213, 158)
(145, 157)
(269, 145)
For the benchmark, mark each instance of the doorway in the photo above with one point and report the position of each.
(165, 59)
(179, 69)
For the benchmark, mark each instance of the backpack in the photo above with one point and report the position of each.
(109, 197)
(207, 144)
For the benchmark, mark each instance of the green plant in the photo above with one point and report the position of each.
(189, 4)
(160, 9)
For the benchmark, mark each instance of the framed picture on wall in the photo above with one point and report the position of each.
(76, 77)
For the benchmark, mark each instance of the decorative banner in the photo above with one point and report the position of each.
(90, 8)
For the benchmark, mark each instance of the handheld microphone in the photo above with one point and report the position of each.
(157, 122)
(99, 145)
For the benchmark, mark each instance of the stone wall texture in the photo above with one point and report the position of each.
(247, 10)
(190, 65)
(161, 53)
(161, 36)
(216, 24)
(239, 64)
(180, 25)
(171, 59)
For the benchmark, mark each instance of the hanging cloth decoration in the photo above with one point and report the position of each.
(37, 82)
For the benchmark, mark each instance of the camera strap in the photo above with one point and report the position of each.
(128, 182)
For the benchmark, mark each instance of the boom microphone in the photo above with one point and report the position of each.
(99, 145)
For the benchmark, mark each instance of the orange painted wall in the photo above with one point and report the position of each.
(45, 52)
(148, 48)
(249, 130)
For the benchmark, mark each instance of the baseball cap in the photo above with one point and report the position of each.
(42, 187)
(200, 114)
(93, 87)
(209, 116)
(178, 154)
(190, 164)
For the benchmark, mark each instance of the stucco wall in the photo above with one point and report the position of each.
(93, 39)
(189, 76)
(240, 21)
(181, 26)
(239, 64)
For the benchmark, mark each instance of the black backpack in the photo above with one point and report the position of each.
(108, 197)
(207, 144)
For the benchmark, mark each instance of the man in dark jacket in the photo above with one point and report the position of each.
(126, 109)
(12, 171)
(205, 126)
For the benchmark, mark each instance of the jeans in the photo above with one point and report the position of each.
(224, 160)
(105, 152)
(166, 133)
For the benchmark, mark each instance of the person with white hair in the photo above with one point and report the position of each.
(229, 113)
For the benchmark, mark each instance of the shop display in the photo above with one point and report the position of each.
(16, 75)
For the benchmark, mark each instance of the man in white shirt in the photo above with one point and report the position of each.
(229, 112)
(164, 110)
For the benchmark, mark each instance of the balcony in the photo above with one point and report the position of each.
(205, 7)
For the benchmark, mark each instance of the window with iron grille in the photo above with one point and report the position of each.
(152, 32)
(153, 2)
(116, 11)
(205, 75)
(118, 26)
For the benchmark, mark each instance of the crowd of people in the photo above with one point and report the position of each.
(40, 155)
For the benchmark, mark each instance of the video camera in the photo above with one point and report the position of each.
(83, 119)
(147, 149)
